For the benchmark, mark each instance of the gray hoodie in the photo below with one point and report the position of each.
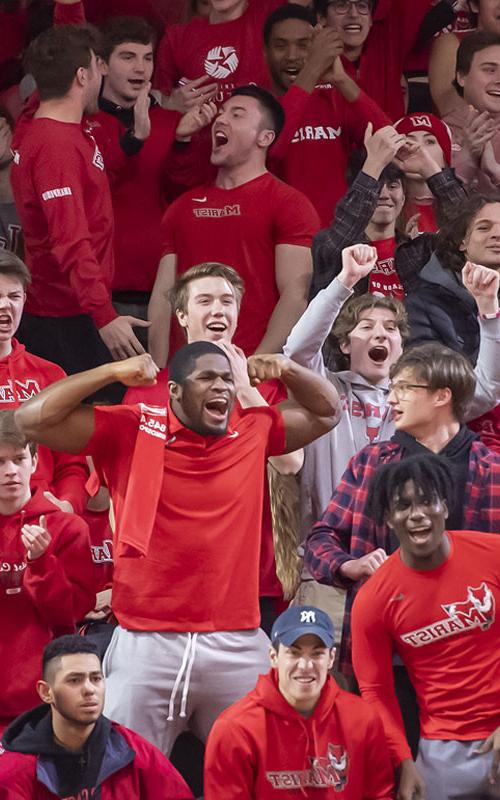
(366, 416)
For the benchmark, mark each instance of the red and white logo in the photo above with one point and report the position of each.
(477, 611)
(325, 771)
(221, 62)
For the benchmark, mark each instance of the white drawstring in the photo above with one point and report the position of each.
(178, 680)
(188, 676)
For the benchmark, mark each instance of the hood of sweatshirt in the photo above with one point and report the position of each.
(31, 512)
(268, 695)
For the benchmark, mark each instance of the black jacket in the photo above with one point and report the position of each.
(440, 309)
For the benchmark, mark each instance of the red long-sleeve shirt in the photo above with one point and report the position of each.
(64, 203)
(444, 625)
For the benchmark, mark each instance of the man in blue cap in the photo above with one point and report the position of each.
(298, 730)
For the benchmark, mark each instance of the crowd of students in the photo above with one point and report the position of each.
(250, 381)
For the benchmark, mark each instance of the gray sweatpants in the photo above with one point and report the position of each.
(160, 684)
(452, 771)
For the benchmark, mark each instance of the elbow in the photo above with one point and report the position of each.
(23, 418)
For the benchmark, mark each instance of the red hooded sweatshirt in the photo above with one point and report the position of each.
(39, 599)
(261, 748)
(23, 375)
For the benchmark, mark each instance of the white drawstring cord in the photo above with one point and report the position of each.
(179, 679)
(188, 676)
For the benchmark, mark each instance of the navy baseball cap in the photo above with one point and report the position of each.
(296, 621)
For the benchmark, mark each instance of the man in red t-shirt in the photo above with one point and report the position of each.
(186, 483)
(326, 113)
(64, 204)
(206, 301)
(433, 603)
(247, 219)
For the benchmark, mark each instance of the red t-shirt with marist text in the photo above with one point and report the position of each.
(201, 571)
(445, 626)
(384, 279)
(240, 227)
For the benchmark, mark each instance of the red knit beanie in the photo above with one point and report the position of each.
(431, 124)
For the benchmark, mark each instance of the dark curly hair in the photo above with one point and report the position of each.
(454, 229)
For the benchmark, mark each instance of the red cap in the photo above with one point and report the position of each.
(431, 124)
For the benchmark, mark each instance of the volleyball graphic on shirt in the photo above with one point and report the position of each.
(221, 62)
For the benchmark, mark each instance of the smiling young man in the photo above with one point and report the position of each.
(187, 486)
(46, 581)
(431, 395)
(326, 113)
(247, 219)
(297, 733)
(474, 118)
(67, 748)
(434, 603)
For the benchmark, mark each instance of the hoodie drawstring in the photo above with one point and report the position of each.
(189, 654)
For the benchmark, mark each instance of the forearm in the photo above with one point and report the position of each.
(57, 401)
(287, 311)
(487, 370)
(159, 314)
(311, 391)
(324, 554)
(446, 187)
(310, 332)
(348, 88)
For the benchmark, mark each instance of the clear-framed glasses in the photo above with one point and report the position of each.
(401, 388)
(343, 6)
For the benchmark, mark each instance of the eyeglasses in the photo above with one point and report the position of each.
(343, 6)
(401, 388)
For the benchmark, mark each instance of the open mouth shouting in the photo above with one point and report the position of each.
(378, 354)
(420, 535)
(217, 409)
(220, 139)
(5, 322)
(218, 328)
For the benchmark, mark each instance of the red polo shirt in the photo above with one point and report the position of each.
(201, 572)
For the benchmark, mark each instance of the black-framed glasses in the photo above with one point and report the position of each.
(400, 388)
(343, 6)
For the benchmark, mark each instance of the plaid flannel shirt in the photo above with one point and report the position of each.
(352, 215)
(346, 531)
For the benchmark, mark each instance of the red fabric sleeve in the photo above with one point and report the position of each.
(70, 476)
(294, 102)
(69, 235)
(358, 114)
(60, 583)
(168, 228)
(69, 15)
(276, 442)
(295, 219)
(158, 778)
(372, 650)
(379, 773)
(166, 74)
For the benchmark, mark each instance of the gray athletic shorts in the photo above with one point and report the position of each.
(160, 684)
(452, 771)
